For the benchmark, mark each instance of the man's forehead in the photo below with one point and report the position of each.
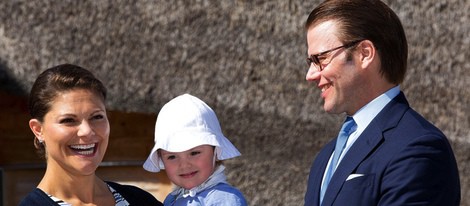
(329, 26)
(321, 35)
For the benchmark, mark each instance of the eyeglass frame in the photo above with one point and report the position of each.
(313, 58)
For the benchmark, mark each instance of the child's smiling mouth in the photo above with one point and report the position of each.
(188, 175)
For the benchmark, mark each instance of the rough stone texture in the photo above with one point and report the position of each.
(246, 60)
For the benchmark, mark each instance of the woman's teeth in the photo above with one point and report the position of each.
(84, 149)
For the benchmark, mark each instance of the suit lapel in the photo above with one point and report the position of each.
(318, 169)
(370, 138)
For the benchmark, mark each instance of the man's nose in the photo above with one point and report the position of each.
(312, 74)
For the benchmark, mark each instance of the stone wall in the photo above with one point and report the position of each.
(246, 60)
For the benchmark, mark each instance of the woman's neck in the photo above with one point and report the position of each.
(75, 189)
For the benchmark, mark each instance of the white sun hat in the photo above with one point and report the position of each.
(186, 122)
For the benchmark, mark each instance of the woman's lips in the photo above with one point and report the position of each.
(84, 149)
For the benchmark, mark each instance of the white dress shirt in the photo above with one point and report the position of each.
(364, 116)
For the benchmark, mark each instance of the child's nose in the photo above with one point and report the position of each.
(185, 162)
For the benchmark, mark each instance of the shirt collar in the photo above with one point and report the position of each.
(368, 112)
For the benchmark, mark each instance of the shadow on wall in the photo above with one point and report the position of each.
(9, 84)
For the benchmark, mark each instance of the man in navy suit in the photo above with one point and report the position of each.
(357, 57)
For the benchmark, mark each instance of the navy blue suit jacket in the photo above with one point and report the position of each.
(399, 159)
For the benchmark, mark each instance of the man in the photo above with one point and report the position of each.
(357, 56)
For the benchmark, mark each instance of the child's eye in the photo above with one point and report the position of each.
(195, 153)
(170, 157)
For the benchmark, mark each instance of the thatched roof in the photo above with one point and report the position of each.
(246, 60)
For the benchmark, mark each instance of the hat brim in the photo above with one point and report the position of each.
(224, 149)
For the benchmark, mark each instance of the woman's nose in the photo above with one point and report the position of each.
(85, 129)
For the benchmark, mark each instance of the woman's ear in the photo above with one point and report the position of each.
(36, 127)
(368, 53)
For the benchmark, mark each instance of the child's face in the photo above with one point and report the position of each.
(189, 168)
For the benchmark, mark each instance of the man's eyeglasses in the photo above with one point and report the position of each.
(315, 58)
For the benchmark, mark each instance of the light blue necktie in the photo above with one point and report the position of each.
(343, 135)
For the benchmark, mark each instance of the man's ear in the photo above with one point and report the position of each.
(368, 53)
(36, 127)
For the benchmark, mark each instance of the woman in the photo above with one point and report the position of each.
(72, 131)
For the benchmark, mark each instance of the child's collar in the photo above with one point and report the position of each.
(217, 177)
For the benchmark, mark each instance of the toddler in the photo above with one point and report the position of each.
(189, 145)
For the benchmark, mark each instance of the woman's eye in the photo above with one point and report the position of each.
(98, 116)
(67, 121)
(171, 157)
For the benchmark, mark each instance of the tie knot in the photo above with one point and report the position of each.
(348, 124)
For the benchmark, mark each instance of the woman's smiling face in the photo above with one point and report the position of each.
(75, 132)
